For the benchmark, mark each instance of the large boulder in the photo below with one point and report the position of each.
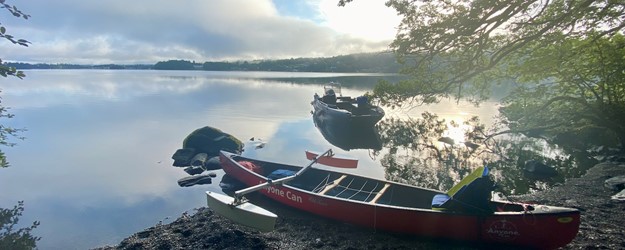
(202, 146)
(210, 140)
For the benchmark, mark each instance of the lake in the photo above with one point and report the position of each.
(96, 165)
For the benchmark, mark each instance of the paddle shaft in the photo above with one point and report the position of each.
(240, 193)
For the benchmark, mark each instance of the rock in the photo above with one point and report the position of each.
(194, 170)
(318, 243)
(620, 196)
(199, 160)
(615, 183)
(229, 184)
(617, 159)
(212, 164)
(182, 157)
(210, 140)
(539, 170)
(194, 180)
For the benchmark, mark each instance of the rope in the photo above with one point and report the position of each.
(527, 211)
(359, 190)
(375, 217)
(321, 186)
(345, 188)
(374, 188)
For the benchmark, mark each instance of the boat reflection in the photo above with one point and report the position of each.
(348, 136)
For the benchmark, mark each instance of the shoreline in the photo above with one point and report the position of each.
(602, 218)
(601, 224)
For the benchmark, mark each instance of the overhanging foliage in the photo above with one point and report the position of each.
(563, 58)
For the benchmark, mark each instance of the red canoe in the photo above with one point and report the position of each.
(401, 208)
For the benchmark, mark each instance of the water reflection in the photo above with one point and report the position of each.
(348, 136)
(96, 163)
(419, 152)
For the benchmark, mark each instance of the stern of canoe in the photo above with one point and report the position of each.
(545, 227)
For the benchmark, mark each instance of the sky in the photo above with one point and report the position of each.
(148, 31)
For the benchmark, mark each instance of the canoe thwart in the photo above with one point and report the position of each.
(334, 184)
(380, 193)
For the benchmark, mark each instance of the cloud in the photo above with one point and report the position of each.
(370, 20)
(142, 31)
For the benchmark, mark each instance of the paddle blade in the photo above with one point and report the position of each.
(333, 161)
(246, 214)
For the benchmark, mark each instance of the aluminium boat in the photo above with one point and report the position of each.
(344, 111)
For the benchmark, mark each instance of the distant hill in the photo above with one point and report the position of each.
(382, 62)
(22, 66)
(364, 63)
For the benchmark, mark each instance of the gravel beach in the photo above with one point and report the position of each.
(602, 220)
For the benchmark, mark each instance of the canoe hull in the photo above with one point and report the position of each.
(526, 228)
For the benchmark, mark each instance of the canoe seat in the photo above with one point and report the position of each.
(471, 195)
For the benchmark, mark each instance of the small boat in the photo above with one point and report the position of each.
(344, 109)
(400, 208)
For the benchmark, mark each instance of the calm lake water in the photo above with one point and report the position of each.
(96, 164)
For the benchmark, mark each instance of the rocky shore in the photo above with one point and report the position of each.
(601, 228)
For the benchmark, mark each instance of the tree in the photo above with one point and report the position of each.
(5, 70)
(16, 239)
(174, 65)
(563, 56)
(578, 95)
(9, 218)
(5, 133)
